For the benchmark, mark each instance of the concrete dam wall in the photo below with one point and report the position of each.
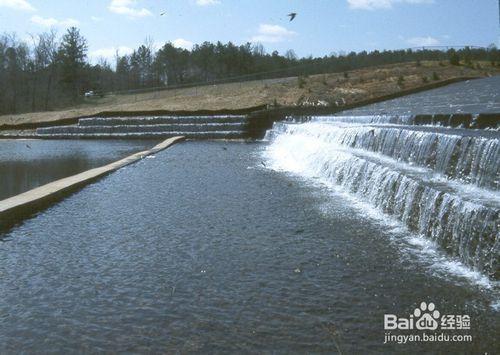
(192, 127)
(253, 125)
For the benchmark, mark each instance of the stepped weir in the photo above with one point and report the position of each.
(193, 127)
(437, 178)
(241, 126)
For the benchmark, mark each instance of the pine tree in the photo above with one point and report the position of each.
(72, 55)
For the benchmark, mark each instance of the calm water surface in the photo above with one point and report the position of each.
(471, 96)
(204, 249)
(26, 164)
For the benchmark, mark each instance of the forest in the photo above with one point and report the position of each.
(49, 73)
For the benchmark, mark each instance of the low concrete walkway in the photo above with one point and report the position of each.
(12, 208)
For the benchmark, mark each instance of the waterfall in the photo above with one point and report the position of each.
(442, 183)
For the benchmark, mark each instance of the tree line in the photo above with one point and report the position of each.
(48, 72)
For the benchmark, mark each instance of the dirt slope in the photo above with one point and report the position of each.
(324, 89)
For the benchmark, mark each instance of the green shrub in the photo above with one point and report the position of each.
(425, 80)
(301, 81)
(454, 59)
(401, 80)
(435, 76)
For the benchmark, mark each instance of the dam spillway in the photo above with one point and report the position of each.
(452, 120)
(253, 125)
(438, 174)
(192, 127)
(441, 183)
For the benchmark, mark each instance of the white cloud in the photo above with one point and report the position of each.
(51, 22)
(46, 22)
(182, 43)
(369, 4)
(207, 2)
(109, 53)
(381, 4)
(69, 22)
(96, 18)
(272, 34)
(128, 8)
(22, 5)
(423, 41)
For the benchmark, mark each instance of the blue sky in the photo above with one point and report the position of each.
(320, 28)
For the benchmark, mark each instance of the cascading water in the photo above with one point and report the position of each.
(441, 183)
(196, 127)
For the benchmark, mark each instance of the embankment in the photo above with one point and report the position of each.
(14, 208)
(333, 92)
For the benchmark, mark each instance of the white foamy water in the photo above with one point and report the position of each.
(436, 193)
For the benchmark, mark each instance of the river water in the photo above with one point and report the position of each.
(299, 243)
(29, 163)
(222, 254)
(471, 96)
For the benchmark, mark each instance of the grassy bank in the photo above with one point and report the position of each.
(337, 89)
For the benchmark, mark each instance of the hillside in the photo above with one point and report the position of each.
(335, 89)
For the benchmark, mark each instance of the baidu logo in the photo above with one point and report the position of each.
(426, 324)
(426, 317)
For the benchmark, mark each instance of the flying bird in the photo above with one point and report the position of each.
(292, 15)
(163, 13)
(28, 146)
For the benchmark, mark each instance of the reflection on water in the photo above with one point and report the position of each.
(26, 164)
